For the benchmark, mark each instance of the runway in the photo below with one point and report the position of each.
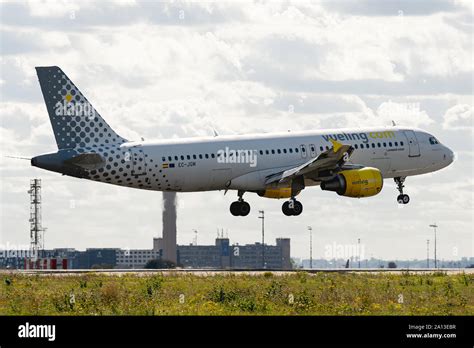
(214, 272)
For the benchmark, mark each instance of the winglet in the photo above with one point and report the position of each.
(336, 145)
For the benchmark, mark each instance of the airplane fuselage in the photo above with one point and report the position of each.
(350, 162)
(194, 164)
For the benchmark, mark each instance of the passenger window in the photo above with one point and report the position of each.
(284, 150)
(296, 150)
(194, 156)
(206, 155)
(200, 156)
(163, 159)
(327, 148)
(396, 143)
(384, 144)
(367, 146)
(267, 152)
(175, 158)
(291, 150)
(188, 157)
(212, 155)
(356, 146)
(261, 152)
(278, 150)
(401, 143)
(169, 158)
(373, 145)
(273, 152)
(312, 149)
(390, 144)
(379, 145)
(321, 149)
(361, 146)
(182, 158)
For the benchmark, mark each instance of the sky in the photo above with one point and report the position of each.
(181, 69)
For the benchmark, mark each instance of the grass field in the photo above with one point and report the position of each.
(186, 294)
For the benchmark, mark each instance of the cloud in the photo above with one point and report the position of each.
(77, 16)
(408, 114)
(169, 70)
(392, 7)
(459, 117)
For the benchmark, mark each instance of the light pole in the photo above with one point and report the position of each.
(195, 237)
(310, 229)
(358, 251)
(262, 216)
(435, 259)
(427, 253)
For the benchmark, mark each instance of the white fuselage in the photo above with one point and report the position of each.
(194, 164)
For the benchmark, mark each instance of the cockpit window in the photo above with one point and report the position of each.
(433, 141)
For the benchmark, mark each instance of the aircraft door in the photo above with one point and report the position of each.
(413, 145)
(303, 151)
(312, 150)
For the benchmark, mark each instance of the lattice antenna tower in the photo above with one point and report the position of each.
(36, 229)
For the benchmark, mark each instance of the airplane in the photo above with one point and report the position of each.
(351, 162)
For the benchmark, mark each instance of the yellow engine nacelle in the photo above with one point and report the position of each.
(276, 193)
(356, 183)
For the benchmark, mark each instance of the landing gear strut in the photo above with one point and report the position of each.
(292, 207)
(402, 198)
(240, 207)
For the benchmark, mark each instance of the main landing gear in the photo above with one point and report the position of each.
(402, 198)
(240, 207)
(292, 207)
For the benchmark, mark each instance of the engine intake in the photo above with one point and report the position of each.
(357, 183)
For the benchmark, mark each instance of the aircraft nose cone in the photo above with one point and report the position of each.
(450, 155)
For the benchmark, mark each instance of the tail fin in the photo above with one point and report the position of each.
(75, 121)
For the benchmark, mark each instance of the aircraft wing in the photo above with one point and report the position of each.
(322, 166)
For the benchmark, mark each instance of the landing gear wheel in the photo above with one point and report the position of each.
(292, 208)
(405, 199)
(297, 208)
(240, 207)
(235, 208)
(402, 198)
(244, 209)
(285, 208)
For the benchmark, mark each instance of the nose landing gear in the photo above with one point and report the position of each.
(292, 207)
(402, 198)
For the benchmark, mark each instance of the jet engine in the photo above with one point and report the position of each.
(357, 183)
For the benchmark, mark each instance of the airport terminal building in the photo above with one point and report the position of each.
(221, 255)
(225, 256)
